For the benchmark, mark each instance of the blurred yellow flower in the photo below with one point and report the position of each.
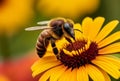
(88, 56)
(67, 8)
(14, 13)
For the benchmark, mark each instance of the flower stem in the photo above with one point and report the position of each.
(5, 47)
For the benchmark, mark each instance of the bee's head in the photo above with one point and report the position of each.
(68, 30)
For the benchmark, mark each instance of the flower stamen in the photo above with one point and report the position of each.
(78, 53)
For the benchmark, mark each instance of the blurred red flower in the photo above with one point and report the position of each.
(19, 69)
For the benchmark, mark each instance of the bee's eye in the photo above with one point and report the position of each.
(67, 27)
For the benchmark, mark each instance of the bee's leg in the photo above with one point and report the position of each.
(55, 50)
(69, 40)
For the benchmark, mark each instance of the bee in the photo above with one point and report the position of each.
(53, 30)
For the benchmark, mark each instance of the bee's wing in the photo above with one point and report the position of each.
(37, 28)
(43, 23)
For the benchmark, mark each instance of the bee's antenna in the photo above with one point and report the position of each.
(78, 30)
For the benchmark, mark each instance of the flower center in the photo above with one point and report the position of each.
(78, 53)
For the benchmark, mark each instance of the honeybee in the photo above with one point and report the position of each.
(54, 29)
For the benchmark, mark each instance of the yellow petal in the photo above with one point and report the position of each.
(47, 74)
(65, 75)
(77, 26)
(113, 48)
(72, 75)
(45, 67)
(112, 59)
(109, 39)
(57, 73)
(106, 76)
(108, 67)
(78, 34)
(95, 28)
(49, 52)
(59, 44)
(82, 74)
(94, 73)
(86, 24)
(42, 61)
(106, 30)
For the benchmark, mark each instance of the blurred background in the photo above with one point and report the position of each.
(17, 46)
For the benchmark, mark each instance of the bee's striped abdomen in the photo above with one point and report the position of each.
(42, 43)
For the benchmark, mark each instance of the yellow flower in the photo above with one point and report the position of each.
(90, 55)
(14, 13)
(67, 8)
